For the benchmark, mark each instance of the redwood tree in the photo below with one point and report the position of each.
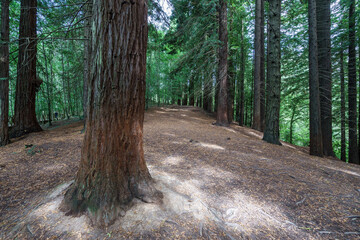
(112, 169)
(353, 147)
(343, 110)
(4, 73)
(316, 145)
(325, 72)
(27, 84)
(222, 106)
(259, 72)
(272, 132)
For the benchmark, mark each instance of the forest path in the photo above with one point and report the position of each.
(218, 183)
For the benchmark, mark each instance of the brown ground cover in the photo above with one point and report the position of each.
(218, 183)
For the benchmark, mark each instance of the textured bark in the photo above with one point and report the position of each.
(353, 146)
(87, 57)
(316, 145)
(324, 63)
(222, 105)
(343, 109)
(272, 133)
(27, 83)
(113, 169)
(4, 74)
(259, 73)
(262, 69)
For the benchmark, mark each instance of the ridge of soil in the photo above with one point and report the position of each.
(218, 183)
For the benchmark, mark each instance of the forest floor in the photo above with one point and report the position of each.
(218, 183)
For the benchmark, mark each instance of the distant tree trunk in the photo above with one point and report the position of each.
(222, 106)
(27, 84)
(4, 74)
(231, 87)
(272, 132)
(66, 101)
(353, 146)
(241, 77)
(48, 96)
(191, 91)
(316, 145)
(87, 57)
(112, 168)
(259, 66)
(325, 72)
(185, 94)
(292, 121)
(343, 109)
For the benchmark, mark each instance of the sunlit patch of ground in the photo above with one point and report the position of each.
(218, 183)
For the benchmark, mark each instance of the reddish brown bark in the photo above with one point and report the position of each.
(113, 169)
(222, 105)
(4, 73)
(27, 83)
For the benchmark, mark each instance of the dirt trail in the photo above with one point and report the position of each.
(218, 183)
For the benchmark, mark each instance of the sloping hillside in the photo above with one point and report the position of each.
(218, 183)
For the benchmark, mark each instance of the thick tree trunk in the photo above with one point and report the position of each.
(222, 106)
(258, 110)
(316, 145)
(343, 109)
(27, 83)
(4, 74)
(353, 146)
(325, 72)
(113, 169)
(272, 132)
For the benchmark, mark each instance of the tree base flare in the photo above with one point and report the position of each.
(104, 207)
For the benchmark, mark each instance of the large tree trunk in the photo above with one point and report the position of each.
(316, 146)
(222, 105)
(112, 168)
(353, 147)
(259, 73)
(325, 71)
(272, 132)
(4, 74)
(27, 83)
(343, 110)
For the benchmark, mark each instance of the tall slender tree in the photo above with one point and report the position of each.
(4, 73)
(259, 72)
(343, 110)
(27, 83)
(316, 145)
(222, 106)
(272, 131)
(324, 63)
(241, 79)
(353, 146)
(112, 169)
